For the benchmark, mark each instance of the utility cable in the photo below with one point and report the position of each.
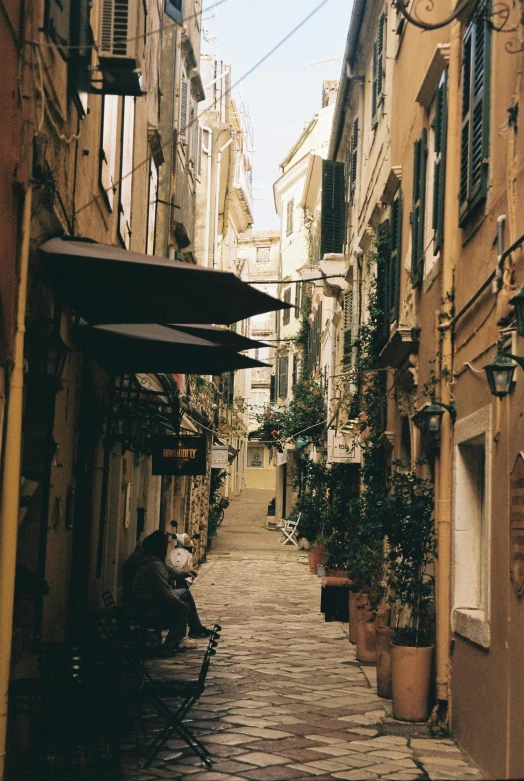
(169, 141)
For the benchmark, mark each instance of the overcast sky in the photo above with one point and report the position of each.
(286, 90)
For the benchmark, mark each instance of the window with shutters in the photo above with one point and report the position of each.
(185, 107)
(440, 130)
(290, 209)
(347, 350)
(298, 299)
(175, 10)
(57, 24)
(353, 161)
(333, 219)
(273, 389)
(476, 57)
(419, 209)
(126, 171)
(394, 260)
(286, 314)
(295, 369)
(108, 145)
(377, 86)
(283, 376)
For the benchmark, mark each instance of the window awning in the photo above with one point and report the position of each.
(107, 284)
(146, 348)
(229, 339)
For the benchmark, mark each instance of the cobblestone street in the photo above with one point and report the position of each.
(286, 698)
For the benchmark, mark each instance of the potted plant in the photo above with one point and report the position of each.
(411, 557)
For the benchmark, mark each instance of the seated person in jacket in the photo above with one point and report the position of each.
(152, 591)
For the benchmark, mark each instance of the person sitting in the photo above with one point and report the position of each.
(153, 595)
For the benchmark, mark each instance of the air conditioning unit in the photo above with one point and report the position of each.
(120, 43)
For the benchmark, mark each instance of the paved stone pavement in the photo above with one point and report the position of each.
(286, 698)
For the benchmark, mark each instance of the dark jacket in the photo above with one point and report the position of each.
(151, 587)
(131, 567)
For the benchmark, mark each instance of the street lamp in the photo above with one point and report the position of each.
(500, 372)
(518, 303)
(429, 418)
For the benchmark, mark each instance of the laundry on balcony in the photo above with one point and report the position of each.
(107, 284)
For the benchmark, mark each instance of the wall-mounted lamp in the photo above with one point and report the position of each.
(518, 303)
(429, 418)
(500, 372)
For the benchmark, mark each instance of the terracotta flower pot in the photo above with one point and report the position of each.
(385, 636)
(315, 556)
(366, 636)
(410, 679)
(355, 599)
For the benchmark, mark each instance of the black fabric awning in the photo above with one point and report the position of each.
(229, 339)
(107, 284)
(134, 349)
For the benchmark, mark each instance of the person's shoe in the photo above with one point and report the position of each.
(199, 633)
(186, 643)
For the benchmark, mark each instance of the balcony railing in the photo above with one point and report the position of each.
(242, 182)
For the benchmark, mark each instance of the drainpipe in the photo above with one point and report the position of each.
(217, 198)
(208, 150)
(443, 508)
(11, 482)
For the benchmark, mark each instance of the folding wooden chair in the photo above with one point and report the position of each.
(290, 531)
(160, 691)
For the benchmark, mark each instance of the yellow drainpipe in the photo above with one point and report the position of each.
(11, 483)
(451, 252)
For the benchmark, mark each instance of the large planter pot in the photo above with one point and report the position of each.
(385, 636)
(355, 599)
(315, 556)
(366, 636)
(410, 679)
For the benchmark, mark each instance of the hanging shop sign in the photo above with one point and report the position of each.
(343, 448)
(183, 455)
(516, 493)
(219, 457)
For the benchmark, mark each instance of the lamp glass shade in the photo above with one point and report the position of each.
(518, 303)
(433, 420)
(500, 375)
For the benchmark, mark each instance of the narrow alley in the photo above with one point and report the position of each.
(286, 698)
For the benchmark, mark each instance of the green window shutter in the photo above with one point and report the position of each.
(298, 299)
(295, 369)
(347, 355)
(395, 258)
(175, 10)
(283, 376)
(377, 86)
(333, 222)
(419, 207)
(439, 177)
(286, 314)
(273, 389)
(383, 265)
(476, 73)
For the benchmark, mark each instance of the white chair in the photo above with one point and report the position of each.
(290, 531)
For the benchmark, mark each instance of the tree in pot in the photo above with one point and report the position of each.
(412, 546)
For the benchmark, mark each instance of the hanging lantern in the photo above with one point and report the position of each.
(429, 418)
(500, 374)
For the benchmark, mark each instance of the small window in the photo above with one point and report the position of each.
(286, 314)
(175, 10)
(263, 255)
(289, 216)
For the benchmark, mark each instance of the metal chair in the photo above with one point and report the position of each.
(159, 692)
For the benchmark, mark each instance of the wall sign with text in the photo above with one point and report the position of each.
(183, 455)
